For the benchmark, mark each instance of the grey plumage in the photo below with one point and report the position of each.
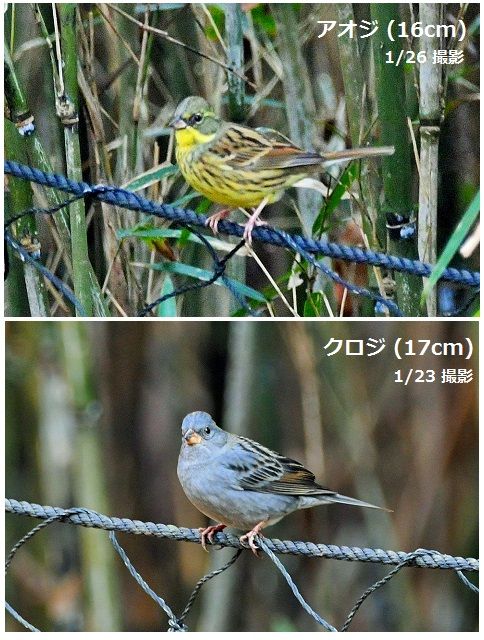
(240, 483)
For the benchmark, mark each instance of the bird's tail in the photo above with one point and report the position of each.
(354, 154)
(354, 502)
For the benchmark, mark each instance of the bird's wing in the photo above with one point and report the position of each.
(241, 147)
(260, 469)
(275, 136)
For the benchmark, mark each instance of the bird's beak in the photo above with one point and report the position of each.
(192, 438)
(178, 123)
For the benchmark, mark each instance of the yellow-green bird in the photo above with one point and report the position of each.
(238, 166)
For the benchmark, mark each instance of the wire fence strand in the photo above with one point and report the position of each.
(423, 558)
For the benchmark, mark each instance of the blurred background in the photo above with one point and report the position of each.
(93, 414)
(319, 91)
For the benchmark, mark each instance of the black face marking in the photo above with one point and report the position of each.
(196, 118)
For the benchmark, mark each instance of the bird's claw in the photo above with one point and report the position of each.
(249, 227)
(249, 538)
(254, 220)
(207, 533)
(213, 220)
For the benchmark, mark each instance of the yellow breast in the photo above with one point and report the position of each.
(212, 178)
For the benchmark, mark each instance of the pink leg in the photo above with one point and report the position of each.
(209, 532)
(213, 220)
(249, 537)
(253, 221)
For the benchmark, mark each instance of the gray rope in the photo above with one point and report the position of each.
(89, 518)
(175, 624)
(172, 620)
(467, 582)
(294, 589)
(75, 516)
(205, 579)
(380, 583)
(19, 618)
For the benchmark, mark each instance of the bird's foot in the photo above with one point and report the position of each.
(249, 537)
(248, 228)
(214, 219)
(208, 533)
(254, 221)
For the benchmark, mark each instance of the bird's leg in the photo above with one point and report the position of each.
(213, 220)
(253, 221)
(249, 537)
(209, 532)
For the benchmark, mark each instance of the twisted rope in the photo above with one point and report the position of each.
(57, 282)
(262, 544)
(18, 617)
(77, 516)
(174, 623)
(129, 200)
(88, 518)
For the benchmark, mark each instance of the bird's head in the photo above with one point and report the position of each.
(200, 431)
(194, 121)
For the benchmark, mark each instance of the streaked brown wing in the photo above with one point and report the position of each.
(244, 148)
(295, 480)
(267, 471)
(275, 136)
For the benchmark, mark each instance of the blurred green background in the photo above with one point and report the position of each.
(93, 419)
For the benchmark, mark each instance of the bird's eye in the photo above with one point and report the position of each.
(196, 118)
(207, 431)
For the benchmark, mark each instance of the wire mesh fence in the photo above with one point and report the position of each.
(421, 558)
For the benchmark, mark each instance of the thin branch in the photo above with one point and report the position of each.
(166, 36)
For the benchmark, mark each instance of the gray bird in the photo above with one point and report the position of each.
(240, 483)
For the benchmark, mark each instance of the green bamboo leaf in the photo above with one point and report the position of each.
(204, 275)
(218, 17)
(453, 245)
(344, 183)
(185, 199)
(140, 10)
(264, 20)
(145, 231)
(150, 177)
(167, 308)
(313, 306)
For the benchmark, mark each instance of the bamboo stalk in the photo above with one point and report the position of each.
(99, 579)
(236, 267)
(235, 60)
(353, 77)
(126, 32)
(20, 195)
(15, 296)
(19, 110)
(299, 100)
(19, 199)
(365, 210)
(397, 170)
(430, 117)
(37, 156)
(220, 595)
(68, 104)
(123, 283)
(356, 94)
